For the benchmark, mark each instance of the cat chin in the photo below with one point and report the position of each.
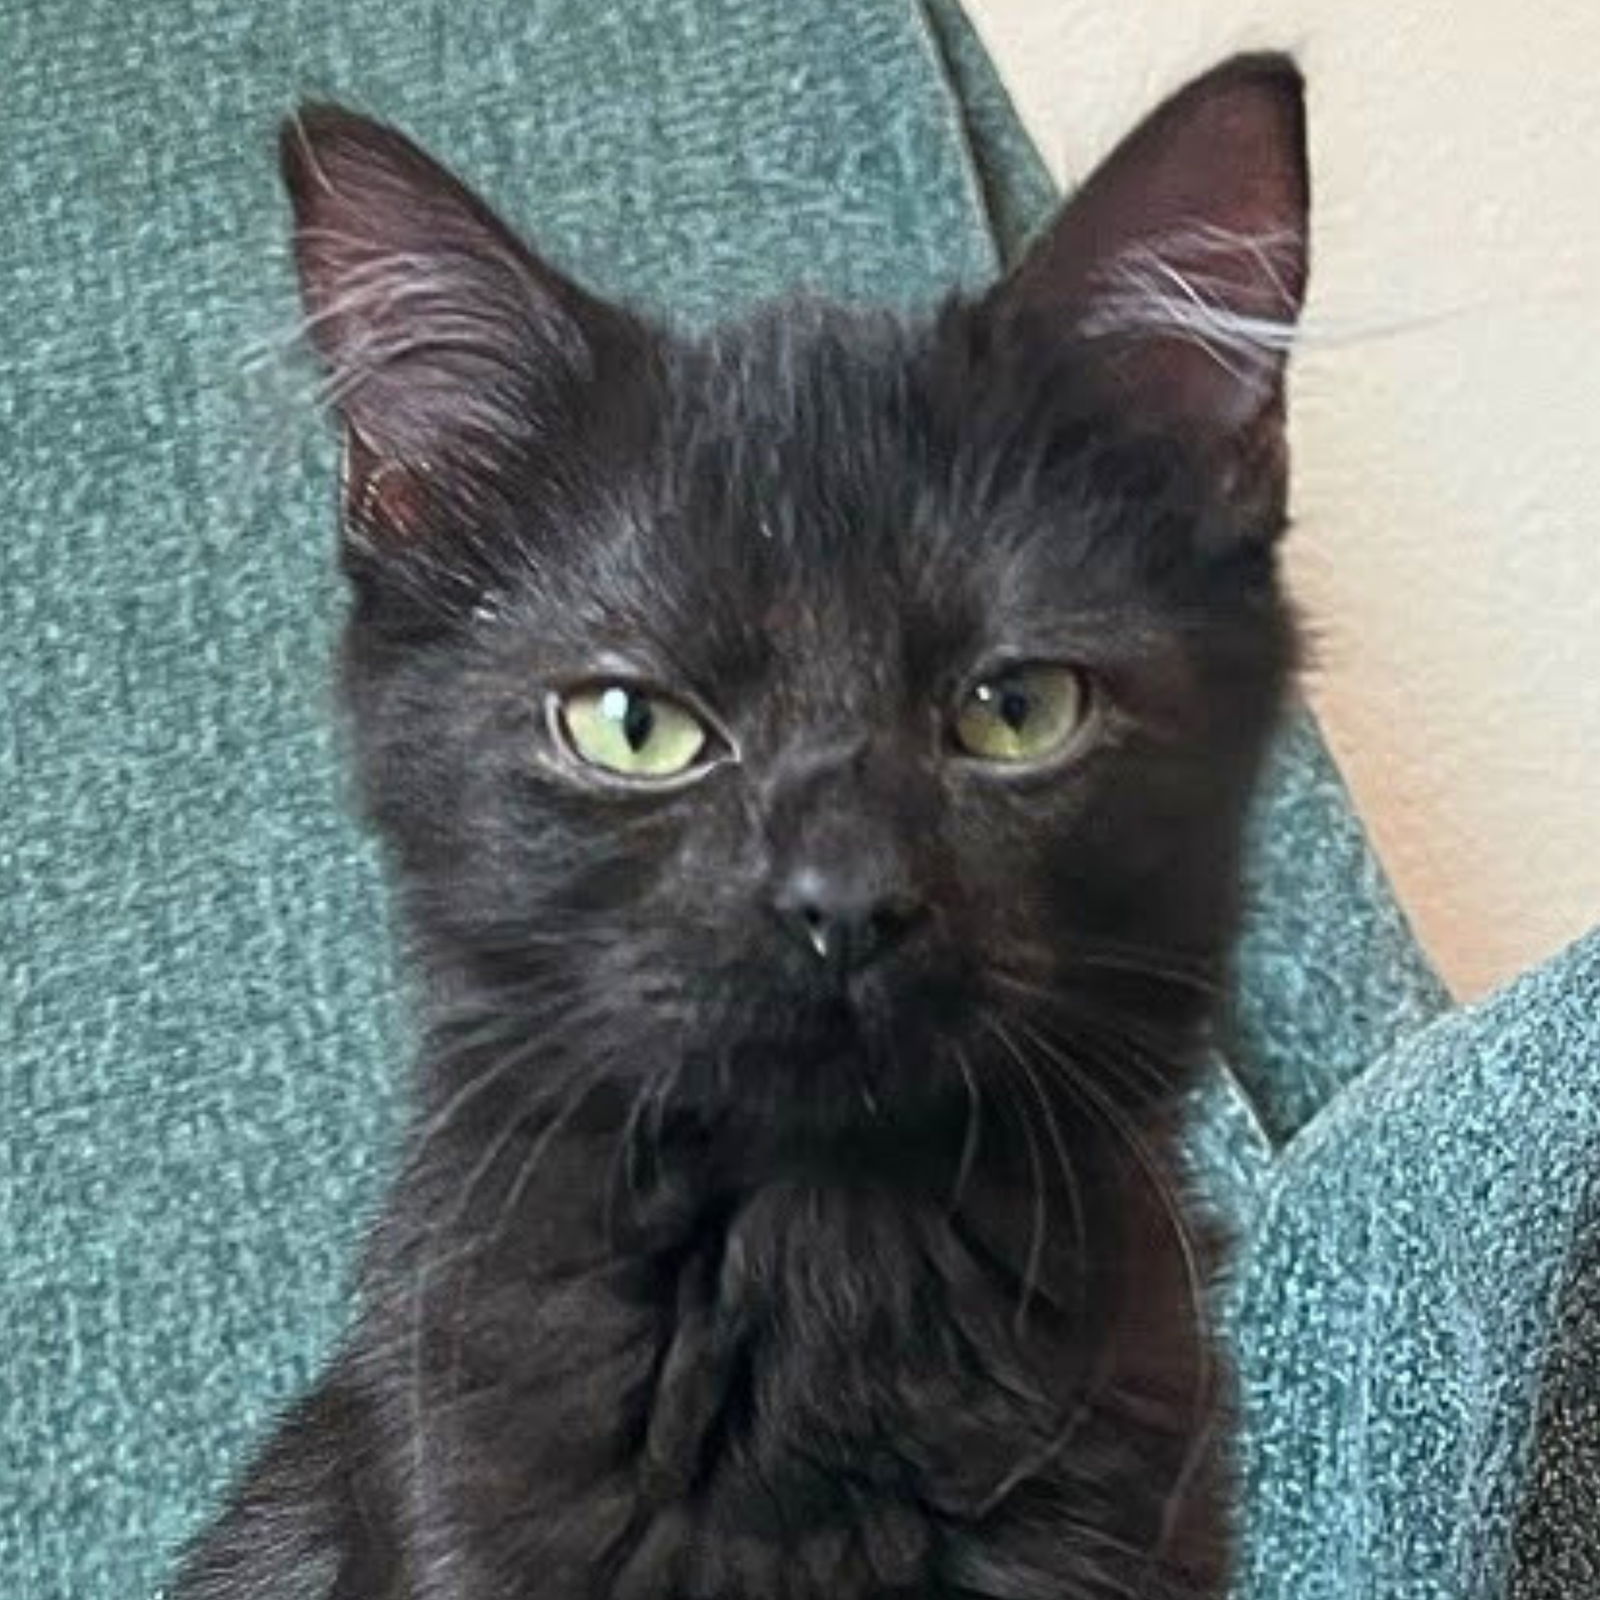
(827, 1109)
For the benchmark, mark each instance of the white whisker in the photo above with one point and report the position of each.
(971, 1136)
(1079, 1082)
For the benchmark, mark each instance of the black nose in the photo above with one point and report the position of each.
(847, 923)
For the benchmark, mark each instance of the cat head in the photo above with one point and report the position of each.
(825, 710)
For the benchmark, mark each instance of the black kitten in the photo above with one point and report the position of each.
(813, 758)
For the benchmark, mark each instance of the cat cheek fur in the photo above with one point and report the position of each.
(789, 1208)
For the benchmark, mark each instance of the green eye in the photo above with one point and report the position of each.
(1025, 714)
(631, 731)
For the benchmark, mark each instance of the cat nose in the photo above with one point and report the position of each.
(847, 923)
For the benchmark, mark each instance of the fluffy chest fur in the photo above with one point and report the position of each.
(804, 1389)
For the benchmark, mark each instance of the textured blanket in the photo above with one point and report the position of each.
(203, 1048)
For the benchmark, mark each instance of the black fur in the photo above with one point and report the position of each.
(711, 1274)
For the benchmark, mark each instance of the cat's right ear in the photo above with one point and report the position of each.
(1174, 277)
(447, 341)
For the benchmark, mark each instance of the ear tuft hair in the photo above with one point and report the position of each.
(1178, 271)
(446, 339)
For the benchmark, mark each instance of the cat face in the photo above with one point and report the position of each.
(811, 712)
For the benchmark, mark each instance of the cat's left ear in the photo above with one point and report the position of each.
(1176, 274)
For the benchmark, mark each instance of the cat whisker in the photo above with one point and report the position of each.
(1146, 966)
(463, 1097)
(1036, 1238)
(1030, 1464)
(1161, 960)
(588, 1082)
(1154, 1060)
(1079, 1083)
(1069, 1177)
(971, 1136)
(645, 1099)
(581, 1083)
(667, 1082)
(431, 1262)
(1054, 985)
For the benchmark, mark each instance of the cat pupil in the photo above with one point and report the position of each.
(1015, 705)
(637, 721)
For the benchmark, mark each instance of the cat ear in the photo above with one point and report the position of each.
(446, 339)
(1179, 268)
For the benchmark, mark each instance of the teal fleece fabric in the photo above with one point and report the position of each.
(204, 1049)
(1395, 1303)
(1556, 1554)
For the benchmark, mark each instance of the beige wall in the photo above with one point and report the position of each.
(1447, 545)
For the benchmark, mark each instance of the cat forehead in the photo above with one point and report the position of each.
(854, 579)
(818, 486)
(824, 433)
